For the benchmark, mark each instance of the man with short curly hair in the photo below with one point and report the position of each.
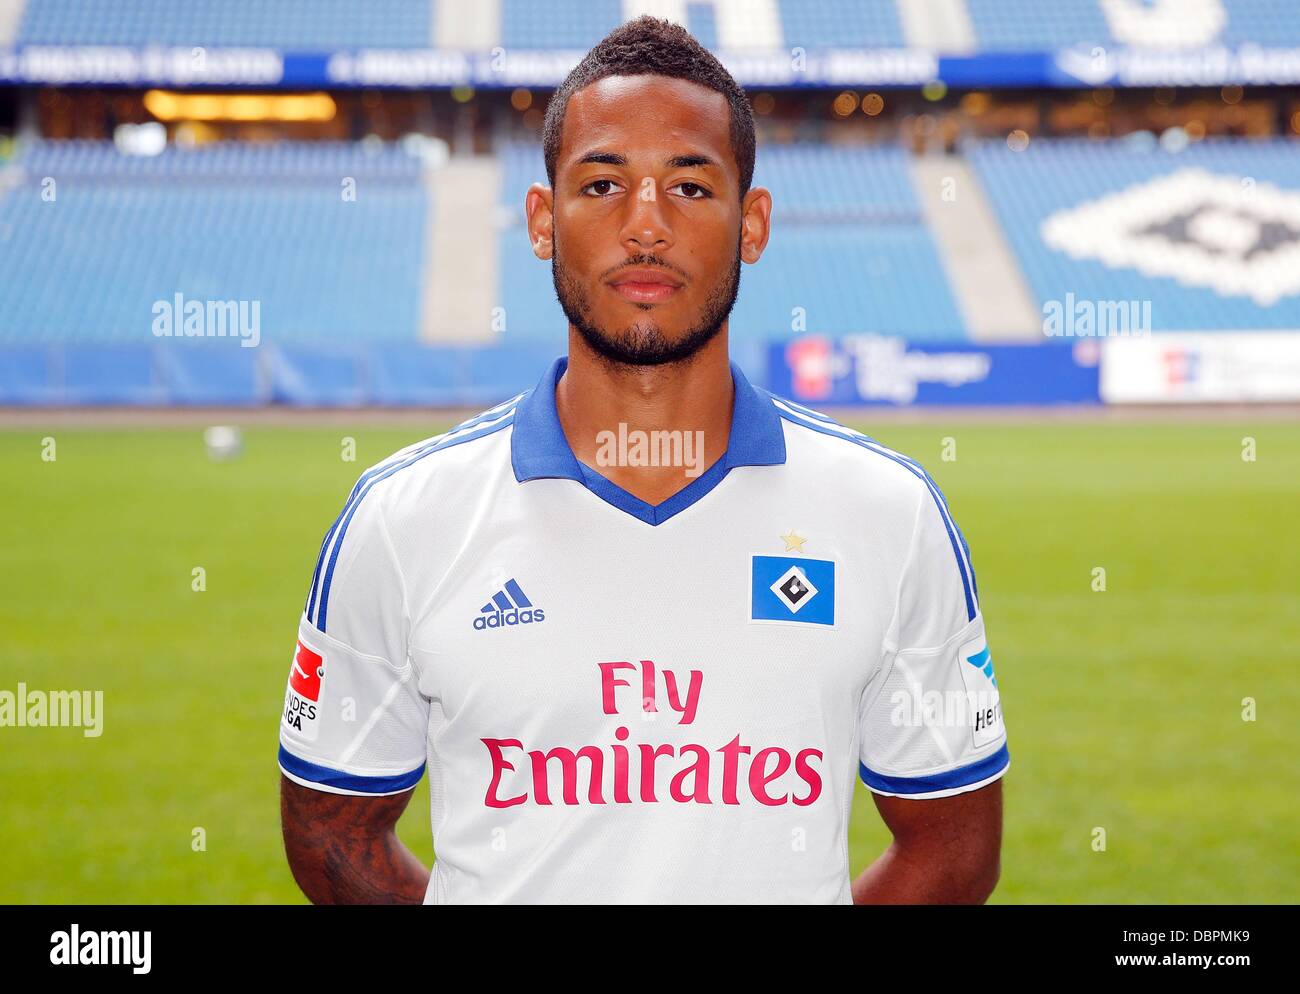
(645, 624)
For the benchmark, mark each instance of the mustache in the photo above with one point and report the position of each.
(646, 261)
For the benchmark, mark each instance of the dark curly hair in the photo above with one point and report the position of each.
(648, 46)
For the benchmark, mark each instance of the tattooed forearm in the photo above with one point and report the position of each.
(344, 849)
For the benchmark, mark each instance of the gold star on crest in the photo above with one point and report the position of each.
(793, 541)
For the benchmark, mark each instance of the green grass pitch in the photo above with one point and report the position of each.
(1124, 707)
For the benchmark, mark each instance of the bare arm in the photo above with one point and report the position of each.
(345, 850)
(946, 850)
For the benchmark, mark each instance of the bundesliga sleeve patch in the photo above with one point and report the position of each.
(789, 589)
(302, 699)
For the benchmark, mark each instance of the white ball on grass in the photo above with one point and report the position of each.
(223, 442)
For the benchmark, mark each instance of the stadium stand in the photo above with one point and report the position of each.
(1026, 24)
(424, 288)
(868, 23)
(1007, 25)
(576, 24)
(986, 280)
(997, 25)
(1199, 239)
(309, 25)
(245, 221)
(266, 223)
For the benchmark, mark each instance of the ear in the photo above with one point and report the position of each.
(539, 206)
(755, 224)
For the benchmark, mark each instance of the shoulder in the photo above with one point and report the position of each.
(359, 546)
(470, 445)
(898, 489)
(857, 462)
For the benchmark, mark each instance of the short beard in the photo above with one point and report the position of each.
(644, 344)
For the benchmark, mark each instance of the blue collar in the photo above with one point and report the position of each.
(539, 450)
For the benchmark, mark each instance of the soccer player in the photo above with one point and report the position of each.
(645, 624)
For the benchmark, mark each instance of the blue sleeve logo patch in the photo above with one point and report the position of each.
(784, 588)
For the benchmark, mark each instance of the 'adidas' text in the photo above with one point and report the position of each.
(509, 606)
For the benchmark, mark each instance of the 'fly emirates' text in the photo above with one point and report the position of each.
(687, 773)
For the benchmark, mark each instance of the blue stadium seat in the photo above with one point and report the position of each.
(1029, 187)
(255, 223)
(319, 25)
(1015, 25)
(841, 23)
(305, 25)
(567, 24)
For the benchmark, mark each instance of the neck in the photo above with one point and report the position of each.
(597, 400)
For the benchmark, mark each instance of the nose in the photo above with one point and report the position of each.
(646, 228)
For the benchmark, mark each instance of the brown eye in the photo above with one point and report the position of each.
(604, 183)
(687, 189)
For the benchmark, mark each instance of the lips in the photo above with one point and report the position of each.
(645, 285)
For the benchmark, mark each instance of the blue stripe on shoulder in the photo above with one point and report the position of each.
(351, 510)
(817, 415)
(913, 467)
(371, 473)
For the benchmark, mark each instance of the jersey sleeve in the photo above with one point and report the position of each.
(930, 723)
(354, 719)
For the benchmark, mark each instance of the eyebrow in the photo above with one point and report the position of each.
(673, 162)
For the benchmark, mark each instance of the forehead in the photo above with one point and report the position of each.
(654, 116)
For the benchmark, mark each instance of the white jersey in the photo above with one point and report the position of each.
(620, 702)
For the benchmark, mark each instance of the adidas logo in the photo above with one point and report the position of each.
(508, 606)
